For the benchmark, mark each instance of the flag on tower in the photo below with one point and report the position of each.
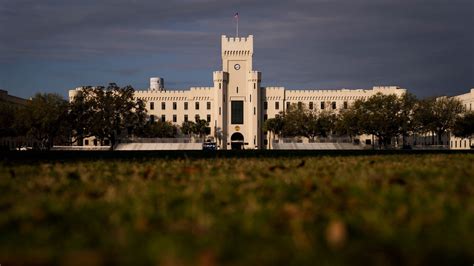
(236, 15)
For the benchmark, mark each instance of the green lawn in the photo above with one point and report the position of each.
(357, 210)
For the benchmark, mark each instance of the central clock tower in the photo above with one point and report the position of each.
(238, 93)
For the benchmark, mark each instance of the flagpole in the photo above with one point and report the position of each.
(236, 16)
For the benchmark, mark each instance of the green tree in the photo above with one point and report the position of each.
(187, 128)
(109, 113)
(326, 123)
(379, 116)
(347, 123)
(274, 126)
(294, 121)
(407, 118)
(81, 113)
(445, 111)
(464, 126)
(159, 129)
(44, 117)
(202, 128)
(7, 119)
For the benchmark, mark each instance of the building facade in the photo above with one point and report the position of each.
(236, 105)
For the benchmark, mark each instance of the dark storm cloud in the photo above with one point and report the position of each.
(425, 46)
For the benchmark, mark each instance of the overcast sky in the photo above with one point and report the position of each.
(425, 46)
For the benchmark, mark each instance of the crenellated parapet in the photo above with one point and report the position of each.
(220, 76)
(254, 76)
(237, 46)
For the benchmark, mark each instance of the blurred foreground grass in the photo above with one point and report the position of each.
(358, 210)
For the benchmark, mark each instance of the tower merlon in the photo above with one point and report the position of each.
(237, 44)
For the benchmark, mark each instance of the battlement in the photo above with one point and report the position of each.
(237, 45)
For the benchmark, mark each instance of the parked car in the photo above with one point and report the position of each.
(209, 146)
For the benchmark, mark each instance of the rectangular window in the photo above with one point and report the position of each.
(95, 142)
(196, 106)
(300, 105)
(163, 106)
(197, 118)
(152, 106)
(86, 142)
(250, 97)
(265, 117)
(208, 105)
(152, 118)
(346, 105)
(277, 105)
(237, 112)
(254, 111)
(219, 111)
(185, 118)
(163, 118)
(175, 119)
(254, 86)
(185, 105)
(334, 105)
(288, 104)
(322, 105)
(237, 90)
(311, 105)
(220, 86)
(175, 105)
(265, 105)
(208, 118)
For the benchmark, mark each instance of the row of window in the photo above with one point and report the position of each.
(175, 118)
(175, 105)
(455, 142)
(265, 105)
(310, 105)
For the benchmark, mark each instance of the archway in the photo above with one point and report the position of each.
(237, 141)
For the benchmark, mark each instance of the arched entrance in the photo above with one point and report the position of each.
(237, 141)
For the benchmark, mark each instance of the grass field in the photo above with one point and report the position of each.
(300, 210)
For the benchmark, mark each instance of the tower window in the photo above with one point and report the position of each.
(175, 105)
(196, 105)
(152, 106)
(208, 105)
(288, 105)
(265, 105)
(152, 118)
(163, 118)
(345, 105)
(208, 118)
(219, 111)
(237, 112)
(163, 105)
(185, 118)
(175, 118)
(322, 105)
(237, 90)
(265, 117)
(254, 111)
(333, 105)
(311, 105)
(277, 105)
(185, 105)
(197, 118)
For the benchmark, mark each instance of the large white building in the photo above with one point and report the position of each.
(236, 105)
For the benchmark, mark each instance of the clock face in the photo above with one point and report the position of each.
(236, 66)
